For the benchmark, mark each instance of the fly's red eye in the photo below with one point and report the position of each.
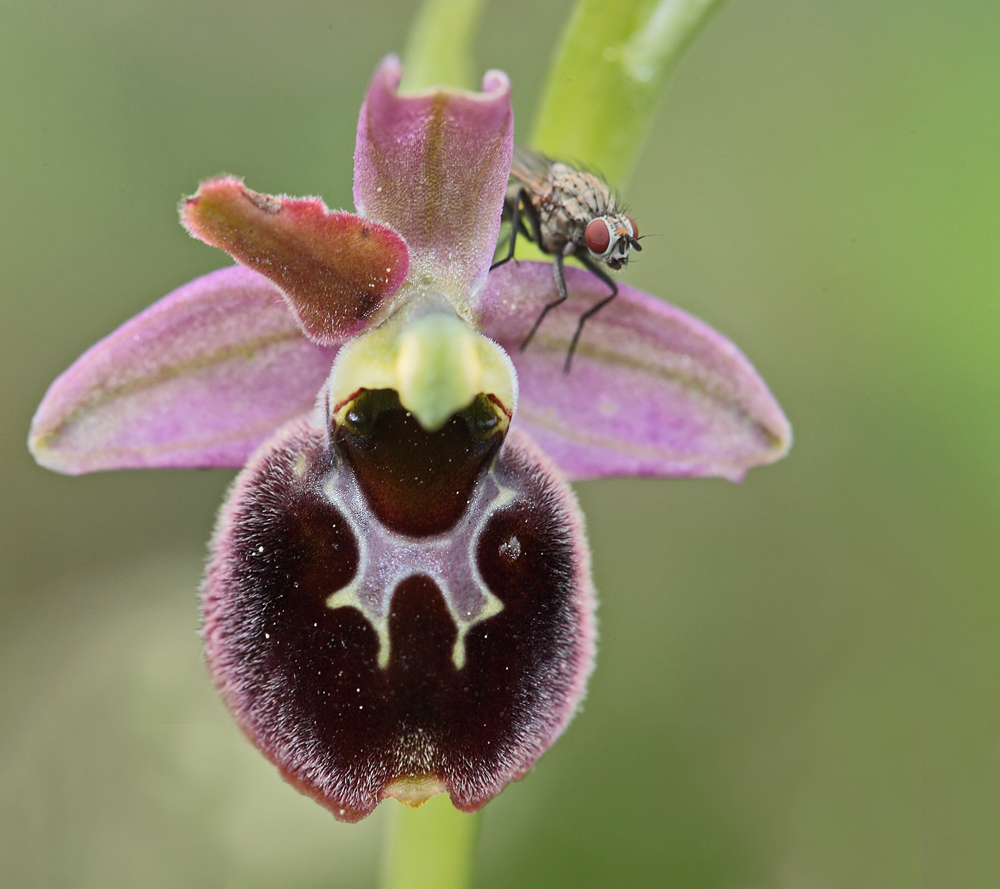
(597, 236)
(635, 228)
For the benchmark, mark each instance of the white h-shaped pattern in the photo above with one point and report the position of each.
(386, 558)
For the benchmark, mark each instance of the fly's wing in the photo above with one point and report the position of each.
(531, 169)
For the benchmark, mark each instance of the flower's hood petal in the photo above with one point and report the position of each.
(434, 167)
(337, 271)
(199, 379)
(652, 391)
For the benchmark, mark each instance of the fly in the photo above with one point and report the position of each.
(569, 212)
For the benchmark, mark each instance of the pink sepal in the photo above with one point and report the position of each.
(652, 391)
(199, 379)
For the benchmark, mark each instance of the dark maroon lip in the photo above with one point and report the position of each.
(385, 605)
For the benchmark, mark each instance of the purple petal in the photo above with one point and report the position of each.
(199, 379)
(434, 167)
(337, 271)
(652, 391)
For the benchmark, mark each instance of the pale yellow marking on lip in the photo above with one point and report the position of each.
(493, 606)
(414, 790)
(348, 598)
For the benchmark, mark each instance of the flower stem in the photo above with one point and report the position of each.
(606, 78)
(439, 51)
(432, 847)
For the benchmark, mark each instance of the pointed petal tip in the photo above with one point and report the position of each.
(46, 456)
(214, 185)
(771, 431)
(737, 472)
(782, 436)
(388, 72)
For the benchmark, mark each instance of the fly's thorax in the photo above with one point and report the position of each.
(582, 196)
(575, 211)
(577, 198)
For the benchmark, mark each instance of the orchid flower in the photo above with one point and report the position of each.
(398, 599)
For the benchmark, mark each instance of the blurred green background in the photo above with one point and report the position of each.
(799, 677)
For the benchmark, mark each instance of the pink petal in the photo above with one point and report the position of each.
(434, 167)
(337, 271)
(199, 379)
(652, 391)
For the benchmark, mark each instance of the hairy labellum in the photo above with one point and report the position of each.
(396, 612)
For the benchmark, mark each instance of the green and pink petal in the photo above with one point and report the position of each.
(338, 272)
(434, 168)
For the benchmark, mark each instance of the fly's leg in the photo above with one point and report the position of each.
(516, 224)
(593, 310)
(535, 234)
(557, 271)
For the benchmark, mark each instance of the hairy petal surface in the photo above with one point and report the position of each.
(434, 167)
(371, 647)
(199, 379)
(652, 391)
(337, 271)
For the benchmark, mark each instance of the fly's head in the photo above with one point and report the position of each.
(610, 239)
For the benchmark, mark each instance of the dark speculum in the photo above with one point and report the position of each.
(417, 482)
(387, 607)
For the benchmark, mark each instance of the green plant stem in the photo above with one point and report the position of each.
(432, 847)
(610, 68)
(439, 51)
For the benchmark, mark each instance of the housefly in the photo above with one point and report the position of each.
(566, 212)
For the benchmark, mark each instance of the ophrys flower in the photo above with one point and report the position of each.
(398, 599)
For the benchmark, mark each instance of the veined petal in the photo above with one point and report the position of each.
(199, 379)
(337, 271)
(434, 167)
(652, 391)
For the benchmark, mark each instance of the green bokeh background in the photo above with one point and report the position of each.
(798, 677)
